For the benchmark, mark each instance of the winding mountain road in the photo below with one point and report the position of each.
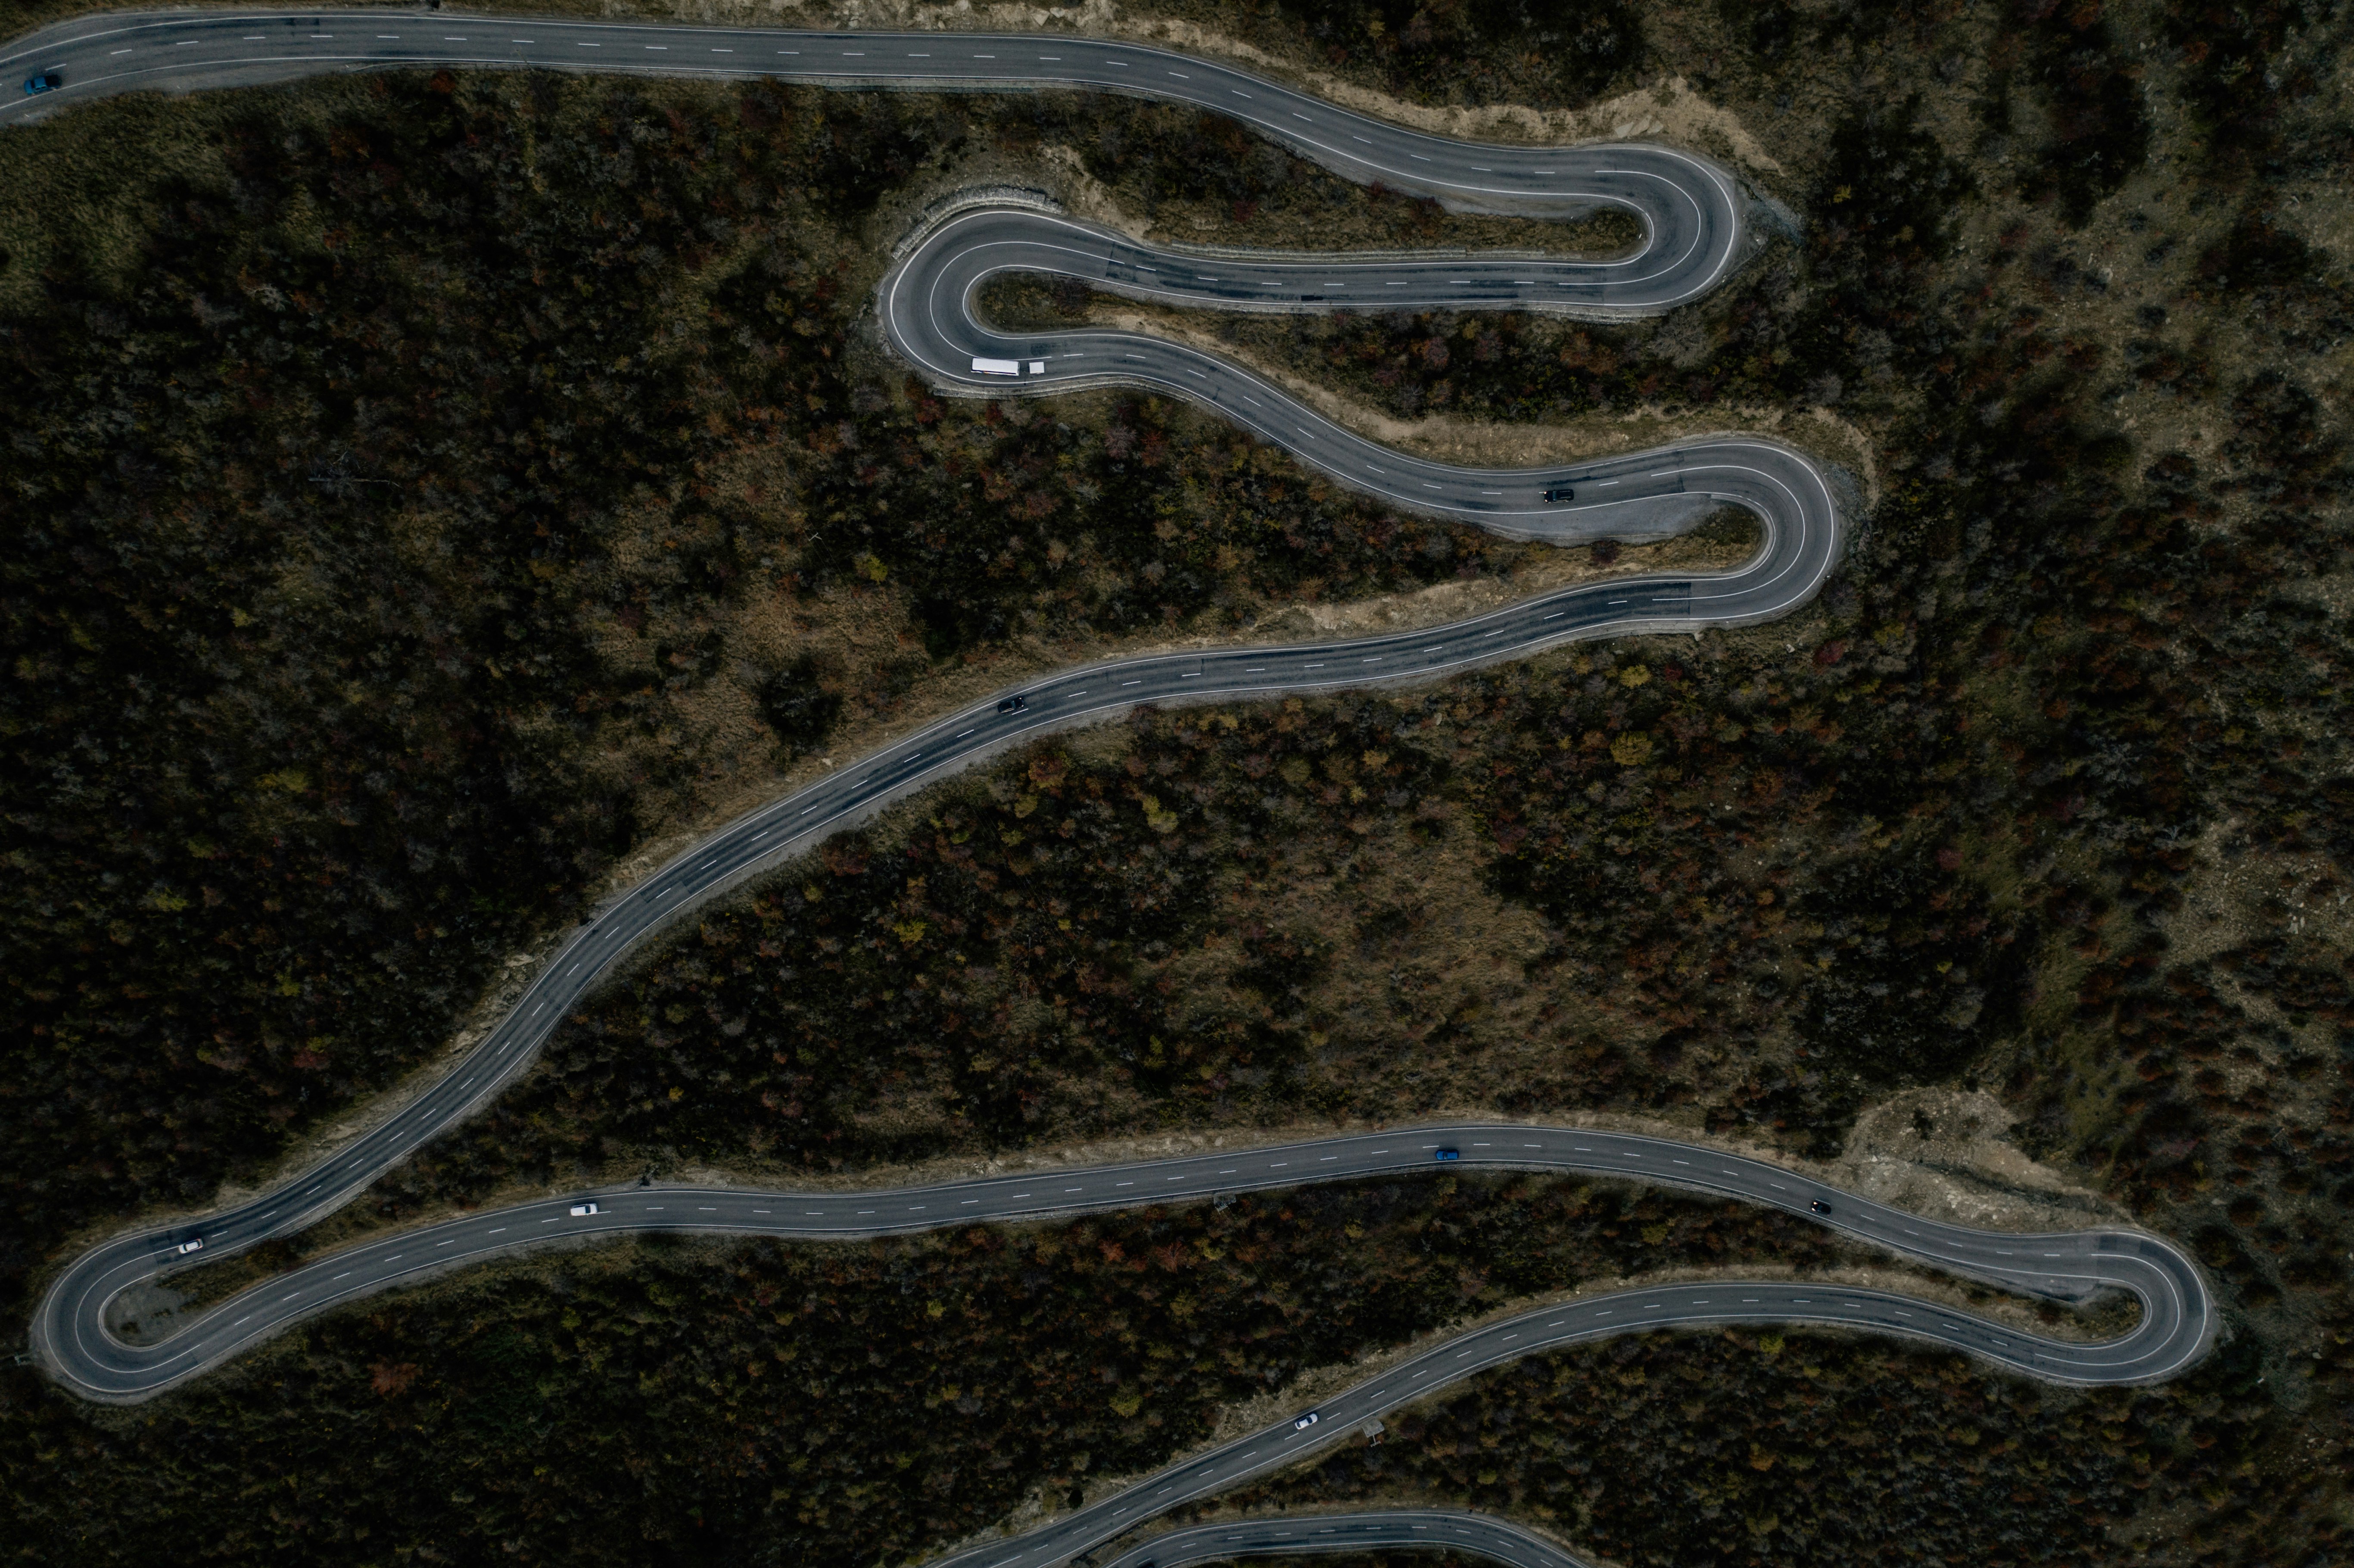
(1692, 219)
(1691, 210)
(2176, 1325)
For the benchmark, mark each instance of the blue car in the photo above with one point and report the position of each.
(43, 81)
(1445, 1155)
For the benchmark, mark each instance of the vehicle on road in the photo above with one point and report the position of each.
(1821, 1207)
(581, 1208)
(1304, 1423)
(194, 1244)
(1444, 1155)
(1561, 492)
(43, 82)
(1012, 705)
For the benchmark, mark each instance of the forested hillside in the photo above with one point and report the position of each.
(425, 491)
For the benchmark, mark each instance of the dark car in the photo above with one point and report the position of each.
(1561, 492)
(1821, 1207)
(1012, 705)
(43, 82)
(1447, 1154)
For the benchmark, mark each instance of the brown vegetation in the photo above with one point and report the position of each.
(2046, 797)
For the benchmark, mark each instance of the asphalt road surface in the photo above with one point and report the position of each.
(1465, 1534)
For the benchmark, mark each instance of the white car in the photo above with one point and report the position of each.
(1304, 1423)
(581, 1208)
(194, 1244)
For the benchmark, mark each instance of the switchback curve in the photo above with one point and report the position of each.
(1457, 1531)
